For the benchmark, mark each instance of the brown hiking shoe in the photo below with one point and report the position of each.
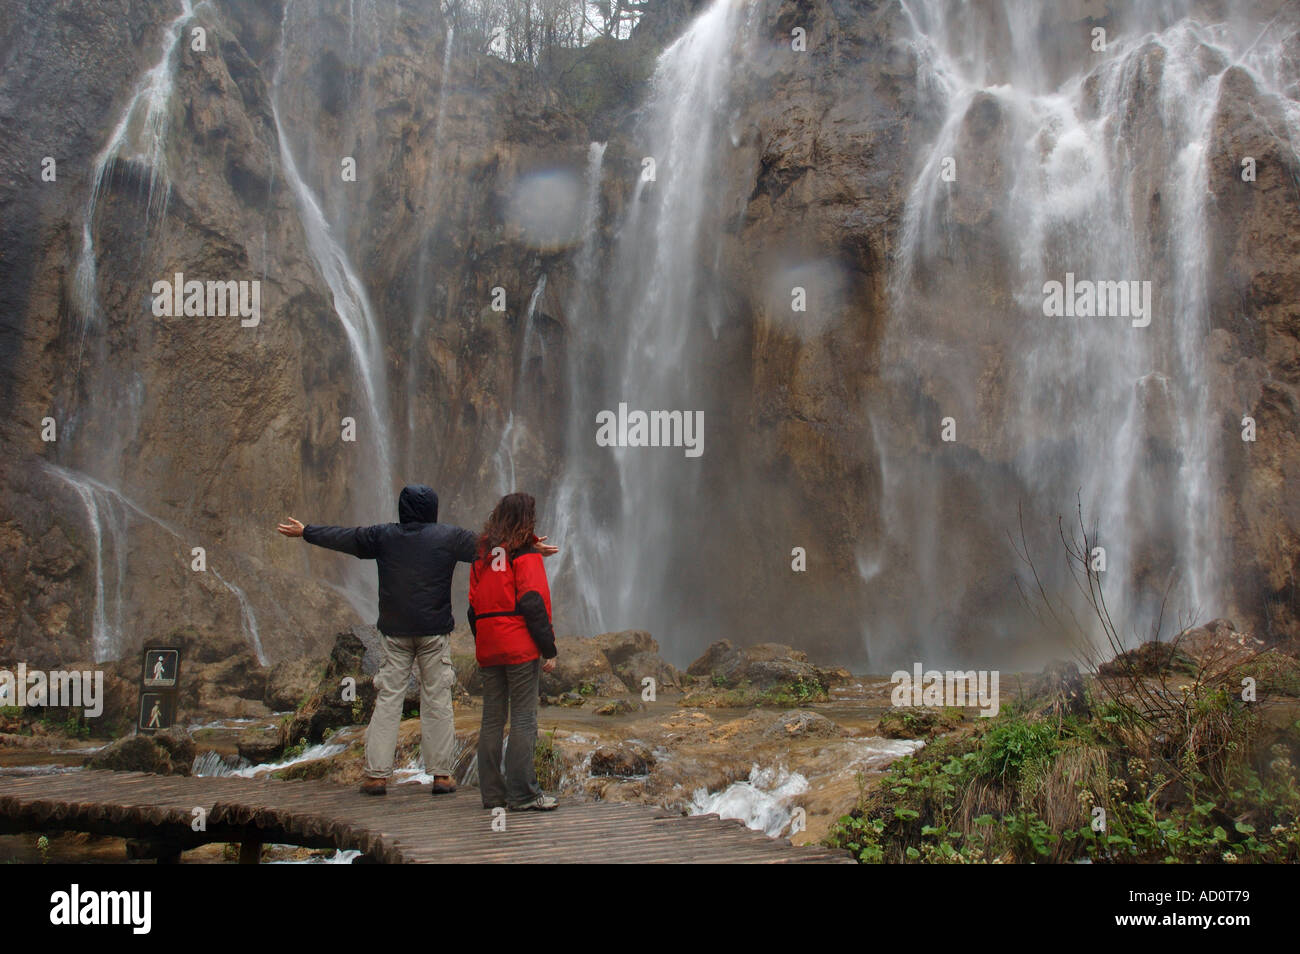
(443, 785)
(374, 786)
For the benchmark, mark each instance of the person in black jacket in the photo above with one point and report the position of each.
(416, 559)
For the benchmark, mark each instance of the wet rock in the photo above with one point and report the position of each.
(633, 655)
(326, 708)
(916, 723)
(289, 683)
(618, 707)
(766, 666)
(610, 664)
(625, 761)
(566, 699)
(262, 745)
(1149, 659)
(164, 753)
(800, 723)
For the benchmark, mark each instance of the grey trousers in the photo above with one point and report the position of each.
(512, 691)
(430, 656)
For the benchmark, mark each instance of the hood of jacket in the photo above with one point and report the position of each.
(417, 504)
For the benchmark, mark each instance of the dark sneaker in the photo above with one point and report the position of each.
(443, 785)
(374, 786)
(542, 803)
(488, 808)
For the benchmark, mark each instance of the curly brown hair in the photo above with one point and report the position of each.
(510, 526)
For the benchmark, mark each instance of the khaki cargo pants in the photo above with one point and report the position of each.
(430, 657)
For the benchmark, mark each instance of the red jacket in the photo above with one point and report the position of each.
(510, 610)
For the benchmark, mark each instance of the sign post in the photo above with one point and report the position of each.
(159, 679)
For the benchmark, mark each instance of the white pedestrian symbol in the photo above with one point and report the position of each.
(155, 716)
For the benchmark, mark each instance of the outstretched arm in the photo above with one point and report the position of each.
(544, 548)
(360, 542)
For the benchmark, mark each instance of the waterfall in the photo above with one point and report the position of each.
(657, 316)
(420, 308)
(107, 512)
(352, 307)
(504, 459)
(581, 552)
(107, 523)
(140, 138)
(1057, 155)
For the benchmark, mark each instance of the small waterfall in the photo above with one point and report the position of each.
(139, 138)
(513, 432)
(107, 512)
(530, 331)
(212, 764)
(1057, 158)
(107, 521)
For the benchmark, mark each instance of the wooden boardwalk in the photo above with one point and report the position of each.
(408, 824)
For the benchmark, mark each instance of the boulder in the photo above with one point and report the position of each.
(165, 753)
(618, 707)
(581, 667)
(766, 665)
(633, 655)
(326, 708)
(624, 761)
(289, 683)
(260, 746)
(915, 723)
(1150, 659)
(800, 723)
(610, 664)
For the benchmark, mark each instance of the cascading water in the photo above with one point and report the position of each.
(1060, 165)
(657, 319)
(580, 555)
(512, 432)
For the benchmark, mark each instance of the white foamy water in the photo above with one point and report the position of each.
(867, 754)
(763, 801)
(212, 765)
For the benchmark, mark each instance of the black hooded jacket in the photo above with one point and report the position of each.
(416, 560)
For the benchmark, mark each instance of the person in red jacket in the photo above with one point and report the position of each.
(510, 616)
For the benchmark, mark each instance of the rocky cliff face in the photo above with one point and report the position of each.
(183, 432)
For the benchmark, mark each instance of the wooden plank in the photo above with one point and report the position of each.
(407, 825)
